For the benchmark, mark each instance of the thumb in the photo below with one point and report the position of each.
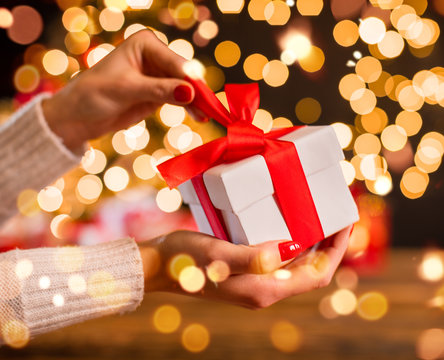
(268, 257)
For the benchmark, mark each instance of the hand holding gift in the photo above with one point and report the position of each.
(250, 187)
(250, 276)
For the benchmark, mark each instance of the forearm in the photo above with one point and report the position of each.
(48, 288)
(31, 156)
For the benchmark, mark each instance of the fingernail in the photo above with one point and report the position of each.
(183, 93)
(289, 250)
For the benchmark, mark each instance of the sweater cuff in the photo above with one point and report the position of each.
(32, 155)
(66, 285)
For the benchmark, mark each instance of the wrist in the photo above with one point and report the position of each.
(58, 120)
(152, 266)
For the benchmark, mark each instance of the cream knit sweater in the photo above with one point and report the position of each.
(48, 288)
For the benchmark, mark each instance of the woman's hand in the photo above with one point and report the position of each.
(123, 88)
(257, 277)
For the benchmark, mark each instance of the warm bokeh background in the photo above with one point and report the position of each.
(370, 68)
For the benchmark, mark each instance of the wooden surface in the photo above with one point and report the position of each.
(238, 333)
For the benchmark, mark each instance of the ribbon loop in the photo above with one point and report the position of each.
(243, 140)
(243, 101)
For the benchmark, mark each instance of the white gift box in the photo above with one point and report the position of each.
(243, 191)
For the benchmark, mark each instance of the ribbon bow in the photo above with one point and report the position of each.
(244, 140)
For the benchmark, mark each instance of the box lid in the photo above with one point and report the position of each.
(317, 146)
(236, 186)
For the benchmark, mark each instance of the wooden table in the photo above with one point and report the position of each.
(238, 333)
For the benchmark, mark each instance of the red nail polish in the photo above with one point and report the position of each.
(289, 250)
(183, 93)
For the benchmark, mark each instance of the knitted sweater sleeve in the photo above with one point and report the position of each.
(48, 288)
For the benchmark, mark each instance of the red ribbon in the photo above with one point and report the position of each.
(244, 140)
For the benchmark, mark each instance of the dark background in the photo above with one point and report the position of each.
(415, 222)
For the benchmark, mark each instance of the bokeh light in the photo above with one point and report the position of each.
(230, 6)
(414, 183)
(26, 78)
(254, 65)
(431, 267)
(368, 69)
(375, 121)
(55, 62)
(168, 200)
(218, 271)
(227, 53)
(177, 263)
(167, 319)
(75, 19)
(391, 45)
(430, 344)
(58, 225)
(256, 9)
(309, 7)
(285, 336)
(363, 101)
(27, 25)
(394, 137)
(6, 18)
(314, 61)
(275, 73)
(50, 199)
(15, 333)
(372, 306)
(116, 178)
(308, 110)
(89, 187)
(346, 278)
(349, 84)
(183, 48)
(277, 12)
(372, 30)
(192, 279)
(195, 338)
(349, 172)
(143, 167)
(111, 19)
(343, 301)
(346, 33)
(94, 161)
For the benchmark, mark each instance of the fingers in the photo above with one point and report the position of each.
(321, 265)
(336, 252)
(163, 90)
(257, 284)
(205, 249)
(156, 54)
(242, 259)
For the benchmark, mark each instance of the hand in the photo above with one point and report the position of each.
(253, 281)
(123, 88)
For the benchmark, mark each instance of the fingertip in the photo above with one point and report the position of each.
(267, 260)
(183, 93)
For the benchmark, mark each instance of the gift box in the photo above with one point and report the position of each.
(243, 191)
(250, 187)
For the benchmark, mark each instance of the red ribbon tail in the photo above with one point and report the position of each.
(214, 215)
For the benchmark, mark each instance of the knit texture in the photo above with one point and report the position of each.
(48, 288)
(31, 155)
